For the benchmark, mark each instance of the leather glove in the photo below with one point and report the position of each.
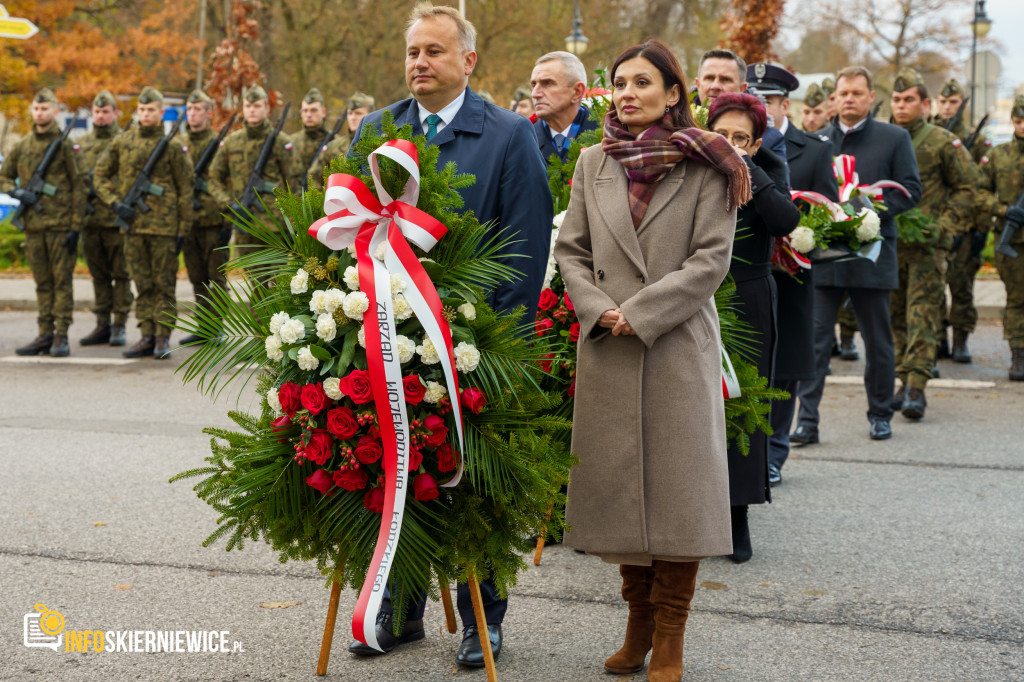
(179, 244)
(26, 197)
(123, 210)
(71, 242)
(1015, 214)
(224, 235)
(978, 241)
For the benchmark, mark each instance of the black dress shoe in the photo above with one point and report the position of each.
(913, 406)
(804, 435)
(774, 475)
(411, 632)
(741, 549)
(880, 429)
(470, 654)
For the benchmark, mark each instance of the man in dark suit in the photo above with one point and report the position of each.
(810, 169)
(883, 152)
(559, 82)
(498, 147)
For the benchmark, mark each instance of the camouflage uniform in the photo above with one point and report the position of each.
(306, 143)
(340, 144)
(102, 242)
(47, 240)
(150, 245)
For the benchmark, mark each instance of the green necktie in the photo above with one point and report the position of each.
(432, 122)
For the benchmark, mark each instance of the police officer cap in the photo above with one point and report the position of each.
(814, 96)
(104, 99)
(314, 96)
(907, 78)
(197, 96)
(1018, 107)
(359, 100)
(828, 85)
(768, 79)
(45, 95)
(951, 87)
(255, 93)
(150, 95)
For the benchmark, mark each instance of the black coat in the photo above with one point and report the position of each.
(810, 169)
(543, 133)
(883, 152)
(769, 214)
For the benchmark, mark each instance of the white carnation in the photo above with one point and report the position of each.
(802, 239)
(868, 229)
(307, 361)
(401, 308)
(351, 250)
(468, 310)
(300, 282)
(361, 336)
(326, 327)
(352, 278)
(435, 392)
(467, 357)
(549, 273)
(333, 299)
(428, 353)
(332, 388)
(274, 402)
(277, 320)
(379, 252)
(273, 347)
(356, 304)
(316, 302)
(557, 221)
(406, 348)
(398, 284)
(292, 331)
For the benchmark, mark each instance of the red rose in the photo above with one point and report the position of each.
(546, 364)
(415, 389)
(543, 326)
(572, 389)
(415, 459)
(319, 447)
(341, 421)
(350, 479)
(473, 399)
(321, 480)
(280, 426)
(548, 300)
(574, 332)
(425, 488)
(374, 500)
(357, 386)
(313, 398)
(447, 457)
(290, 396)
(568, 303)
(369, 450)
(438, 431)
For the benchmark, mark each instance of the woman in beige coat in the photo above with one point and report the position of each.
(645, 243)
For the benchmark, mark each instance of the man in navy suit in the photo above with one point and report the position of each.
(511, 190)
(558, 85)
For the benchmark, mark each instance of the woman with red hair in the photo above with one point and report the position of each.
(742, 119)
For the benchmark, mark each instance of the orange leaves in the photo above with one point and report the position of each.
(750, 26)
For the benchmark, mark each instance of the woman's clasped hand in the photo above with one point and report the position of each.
(616, 321)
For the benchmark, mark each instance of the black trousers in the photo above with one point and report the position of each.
(871, 306)
(494, 606)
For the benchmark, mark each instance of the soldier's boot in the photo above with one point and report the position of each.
(141, 349)
(899, 397)
(117, 337)
(101, 334)
(848, 349)
(935, 371)
(40, 344)
(162, 348)
(1017, 368)
(835, 347)
(60, 347)
(942, 350)
(914, 403)
(960, 352)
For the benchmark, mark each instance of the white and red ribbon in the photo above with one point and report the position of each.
(845, 168)
(356, 216)
(730, 383)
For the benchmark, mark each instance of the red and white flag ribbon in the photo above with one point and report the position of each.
(356, 216)
(730, 383)
(845, 168)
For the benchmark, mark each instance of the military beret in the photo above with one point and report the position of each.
(814, 96)
(768, 79)
(951, 87)
(150, 95)
(358, 100)
(197, 96)
(828, 85)
(45, 95)
(907, 78)
(104, 99)
(254, 93)
(314, 96)
(1017, 111)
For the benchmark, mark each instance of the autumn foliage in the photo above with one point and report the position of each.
(750, 27)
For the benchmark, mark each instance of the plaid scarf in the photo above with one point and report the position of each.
(649, 156)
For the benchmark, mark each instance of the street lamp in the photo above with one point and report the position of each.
(979, 28)
(576, 42)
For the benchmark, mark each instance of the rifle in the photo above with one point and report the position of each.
(878, 107)
(953, 122)
(92, 196)
(206, 158)
(1009, 230)
(323, 146)
(256, 184)
(142, 185)
(37, 184)
(969, 142)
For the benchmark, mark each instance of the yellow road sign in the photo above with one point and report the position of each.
(15, 27)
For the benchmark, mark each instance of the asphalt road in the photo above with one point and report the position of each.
(899, 560)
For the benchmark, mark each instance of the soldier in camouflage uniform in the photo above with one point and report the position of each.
(102, 242)
(307, 141)
(829, 86)
(237, 157)
(814, 113)
(948, 179)
(1003, 181)
(359, 105)
(155, 238)
(51, 233)
(205, 245)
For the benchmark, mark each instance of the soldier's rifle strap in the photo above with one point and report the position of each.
(921, 134)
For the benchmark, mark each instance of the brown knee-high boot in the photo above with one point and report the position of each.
(674, 583)
(636, 590)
